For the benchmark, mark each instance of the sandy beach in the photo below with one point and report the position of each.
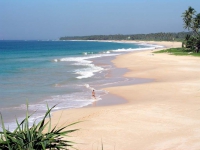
(160, 115)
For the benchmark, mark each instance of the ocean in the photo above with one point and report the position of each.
(61, 73)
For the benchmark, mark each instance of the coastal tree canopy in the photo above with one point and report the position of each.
(161, 36)
(192, 23)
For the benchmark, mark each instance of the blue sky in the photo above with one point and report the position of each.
(51, 19)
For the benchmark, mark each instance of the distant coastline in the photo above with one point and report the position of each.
(162, 36)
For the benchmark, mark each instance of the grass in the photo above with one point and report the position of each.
(179, 52)
(35, 137)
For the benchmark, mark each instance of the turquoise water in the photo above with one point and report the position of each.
(53, 72)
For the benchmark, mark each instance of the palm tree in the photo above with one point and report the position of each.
(196, 24)
(192, 22)
(187, 17)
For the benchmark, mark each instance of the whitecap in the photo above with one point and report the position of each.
(133, 49)
(55, 60)
(89, 69)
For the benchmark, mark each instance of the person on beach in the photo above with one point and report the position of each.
(93, 94)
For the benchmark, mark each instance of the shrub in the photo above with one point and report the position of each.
(35, 137)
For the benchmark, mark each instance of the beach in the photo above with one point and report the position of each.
(160, 115)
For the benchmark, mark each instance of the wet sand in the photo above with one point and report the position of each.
(159, 115)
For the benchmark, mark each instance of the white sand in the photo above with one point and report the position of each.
(161, 115)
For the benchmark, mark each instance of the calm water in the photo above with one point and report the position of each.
(53, 72)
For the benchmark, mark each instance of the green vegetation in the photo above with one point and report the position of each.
(179, 51)
(192, 22)
(39, 136)
(145, 37)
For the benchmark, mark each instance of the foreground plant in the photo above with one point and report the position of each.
(35, 137)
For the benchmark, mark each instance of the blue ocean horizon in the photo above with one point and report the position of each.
(52, 72)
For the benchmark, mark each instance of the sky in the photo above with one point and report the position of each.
(52, 19)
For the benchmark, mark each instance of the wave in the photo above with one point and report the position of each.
(87, 72)
(88, 86)
(151, 45)
(65, 101)
(89, 68)
(133, 49)
(55, 60)
(106, 52)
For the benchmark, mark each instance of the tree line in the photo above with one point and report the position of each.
(162, 36)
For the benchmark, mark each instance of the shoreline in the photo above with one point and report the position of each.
(114, 77)
(120, 100)
(166, 44)
(41, 102)
(163, 114)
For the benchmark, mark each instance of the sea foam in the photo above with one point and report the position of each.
(133, 49)
(89, 69)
